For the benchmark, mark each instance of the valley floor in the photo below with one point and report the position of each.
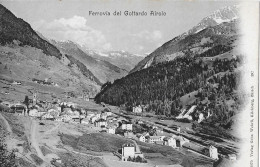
(38, 142)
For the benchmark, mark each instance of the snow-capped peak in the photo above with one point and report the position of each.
(225, 14)
(103, 54)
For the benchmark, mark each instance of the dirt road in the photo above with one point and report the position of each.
(34, 141)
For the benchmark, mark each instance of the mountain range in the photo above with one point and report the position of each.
(122, 59)
(102, 69)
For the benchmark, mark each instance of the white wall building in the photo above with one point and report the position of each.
(66, 118)
(170, 141)
(59, 119)
(101, 122)
(232, 157)
(33, 113)
(155, 139)
(137, 109)
(47, 116)
(128, 150)
(201, 117)
(141, 138)
(93, 119)
(213, 152)
(111, 130)
(127, 126)
(131, 150)
(180, 140)
(85, 121)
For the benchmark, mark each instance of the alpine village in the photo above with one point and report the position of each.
(65, 106)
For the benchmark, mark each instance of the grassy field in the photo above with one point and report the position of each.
(102, 142)
(77, 160)
(98, 142)
(16, 126)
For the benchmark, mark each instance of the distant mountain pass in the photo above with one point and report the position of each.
(103, 70)
(122, 59)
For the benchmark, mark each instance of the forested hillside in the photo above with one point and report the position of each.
(207, 78)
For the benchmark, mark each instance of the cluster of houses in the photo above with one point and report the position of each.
(66, 112)
(18, 108)
(104, 120)
(161, 138)
(107, 122)
(175, 141)
(44, 82)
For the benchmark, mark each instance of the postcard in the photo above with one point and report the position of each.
(136, 83)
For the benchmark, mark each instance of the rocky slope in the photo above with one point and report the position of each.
(175, 47)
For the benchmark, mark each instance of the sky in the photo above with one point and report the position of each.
(71, 20)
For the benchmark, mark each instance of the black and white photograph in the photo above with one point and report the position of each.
(129, 83)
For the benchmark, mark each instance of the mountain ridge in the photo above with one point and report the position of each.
(12, 28)
(230, 13)
(122, 59)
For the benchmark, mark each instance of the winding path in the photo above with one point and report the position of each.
(34, 141)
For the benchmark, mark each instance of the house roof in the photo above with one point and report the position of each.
(212, 147)
(101, 120)
(195, 147)
(128, 145)
(139, 135)
(159, 142)
(33, 110)
(180, 138)
(167, 138)
(155, 137)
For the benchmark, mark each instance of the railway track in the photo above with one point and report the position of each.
(224, 147)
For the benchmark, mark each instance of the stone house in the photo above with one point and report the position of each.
(141, 138)
(127, 126)
(170, 141)
(155, 139)
(130, 150)
(100, 122)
